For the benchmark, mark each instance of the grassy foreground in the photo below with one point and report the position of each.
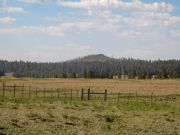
(138, 116)
(52, 117)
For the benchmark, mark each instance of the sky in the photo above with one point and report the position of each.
(58, 30)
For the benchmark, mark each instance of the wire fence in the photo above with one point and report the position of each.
(23, 91)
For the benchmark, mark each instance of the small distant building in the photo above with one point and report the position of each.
(78, 75)
(10, 74)
(115, 77)
(124, 77)
(154, 77)
(137, 77)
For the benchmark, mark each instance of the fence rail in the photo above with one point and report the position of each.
(89, 94)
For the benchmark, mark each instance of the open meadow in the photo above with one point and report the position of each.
(141, 114)
(159, 87)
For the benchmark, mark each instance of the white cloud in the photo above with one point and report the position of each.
(175, 33)
(12, 10)
(133, 24)
(138, 53)
(58, 30)
(131, 33)
(61, 29)
(35, 1)
(136, 19)
(7, 20)
(139, 18)
(134, 5)
(144, 22)
(51, 30)
(155, 19)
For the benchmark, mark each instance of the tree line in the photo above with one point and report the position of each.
(94, 66)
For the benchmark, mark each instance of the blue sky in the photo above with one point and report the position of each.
(58, 30)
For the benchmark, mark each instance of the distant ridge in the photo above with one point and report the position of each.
(93, 57)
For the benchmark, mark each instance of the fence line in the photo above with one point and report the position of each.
(22, 91)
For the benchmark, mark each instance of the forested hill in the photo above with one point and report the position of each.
(92, 58)
(94, 66)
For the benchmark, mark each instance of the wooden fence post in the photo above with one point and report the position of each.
(65, 94)
(82, 94)
(128, 97)
(89, 93)
(118, 96)
(4, 86)
(14, 90)
(51, 92)
(58, 93)
(36, 93)
(71, 94)
(136, 96)
(77, 94)
(23, 91)
(166, 99)
(29, 91)
(44, 94)
(105, 95)
(151, 97)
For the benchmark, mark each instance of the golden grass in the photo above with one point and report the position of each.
(159, 87)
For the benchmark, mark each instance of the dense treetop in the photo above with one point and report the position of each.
(94, 66)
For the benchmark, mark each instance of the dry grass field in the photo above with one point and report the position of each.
(34, 116)
(25, 117)
(158, 87)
